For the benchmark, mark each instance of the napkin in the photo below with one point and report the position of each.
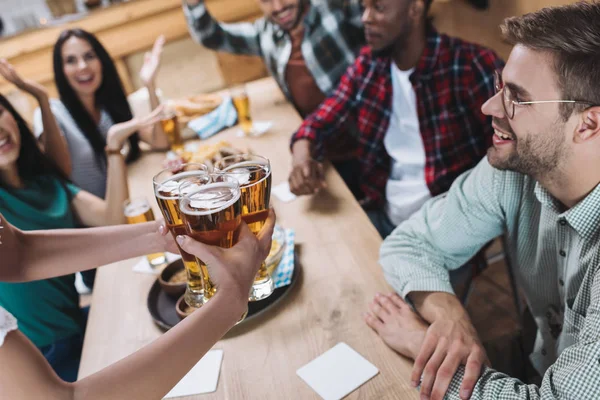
(282, 275)
(202, 378)
(283, 193)
(222, 117)
(337, 372)
(143, 266)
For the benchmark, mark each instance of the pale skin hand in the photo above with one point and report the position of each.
(25, 374)
(399, 326)
(438, 349)
(52, 141)
(118, 133)
(217, 258)
(451, 341)
(307, 176)
(153, 134)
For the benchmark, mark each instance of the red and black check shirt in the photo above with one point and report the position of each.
(452, 81)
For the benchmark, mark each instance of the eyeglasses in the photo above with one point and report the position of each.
(509, 103)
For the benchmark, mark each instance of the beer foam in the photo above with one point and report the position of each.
(172, 184)
(211, 201)
(136, 209)
(244, 169)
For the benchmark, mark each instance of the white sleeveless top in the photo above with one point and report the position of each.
(7, 323)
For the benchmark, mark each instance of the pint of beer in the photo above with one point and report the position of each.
(136, 211)
(166, 189)
(254, 176)
(211, 214)
(170, 126)
(242, 106)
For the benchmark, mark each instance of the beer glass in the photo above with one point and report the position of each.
(211, 214)
(254, 176)
(138, 210)
(166, 189)
(170, 126)
(242, 105)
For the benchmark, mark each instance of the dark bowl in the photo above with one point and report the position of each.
(182, 309)
(174, 290)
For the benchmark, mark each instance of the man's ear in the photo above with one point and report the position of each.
(588, 127)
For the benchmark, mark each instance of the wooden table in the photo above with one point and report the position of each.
(338, 250)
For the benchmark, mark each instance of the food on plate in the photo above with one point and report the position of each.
(207, 154)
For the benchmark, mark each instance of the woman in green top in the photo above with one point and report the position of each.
(35, 194)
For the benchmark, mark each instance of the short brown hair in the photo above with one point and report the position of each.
(571, 34)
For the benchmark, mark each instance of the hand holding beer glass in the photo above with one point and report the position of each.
(211, 215)
(138, 210)
(254, 176)
(242, 106)
(166, 189)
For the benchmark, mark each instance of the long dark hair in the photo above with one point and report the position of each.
(110, 95)
(32, 162)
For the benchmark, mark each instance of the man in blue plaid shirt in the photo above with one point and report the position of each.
(307, 46)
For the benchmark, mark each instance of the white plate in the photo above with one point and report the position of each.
(259, 128)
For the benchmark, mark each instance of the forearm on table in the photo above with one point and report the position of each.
(151, 372)
(44, 254)
(54, 144)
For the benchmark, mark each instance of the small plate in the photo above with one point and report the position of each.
(259, 128)
(162, 306)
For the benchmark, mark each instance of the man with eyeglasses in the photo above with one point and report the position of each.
(540, 186)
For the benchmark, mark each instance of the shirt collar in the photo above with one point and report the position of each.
(428, 60)
(584, 217)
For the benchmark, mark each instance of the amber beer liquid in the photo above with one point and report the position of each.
(167, 196)
(170, 126)
(253, 173)
(136, 212)
(211, 215)
(242, 106)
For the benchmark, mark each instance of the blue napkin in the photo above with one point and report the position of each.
(222, 117)
(282, 275)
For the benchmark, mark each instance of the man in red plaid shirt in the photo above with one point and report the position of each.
(415, 96)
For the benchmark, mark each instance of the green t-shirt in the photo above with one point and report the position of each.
(46, 310)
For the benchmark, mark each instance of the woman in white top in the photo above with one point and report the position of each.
(92, 99)
(25, 374)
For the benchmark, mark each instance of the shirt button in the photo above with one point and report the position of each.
(544, 352)
(562, 253)
(561, 282)
(563, 222)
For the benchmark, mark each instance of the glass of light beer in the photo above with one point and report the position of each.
(242, 106)
(166, 189)
(170, 126)
(254, 176)
(138, 210)
(211, 215)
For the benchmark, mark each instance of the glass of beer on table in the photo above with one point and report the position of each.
(211, 214)
(138, 210)
(166, 189)
(254, 176)
(170, 126)
(242, 106)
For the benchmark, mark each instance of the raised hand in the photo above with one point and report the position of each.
(152, 62)
(10, 74)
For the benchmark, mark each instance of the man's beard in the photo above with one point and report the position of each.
(299, 14)
(397, 45)
(535, 155)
